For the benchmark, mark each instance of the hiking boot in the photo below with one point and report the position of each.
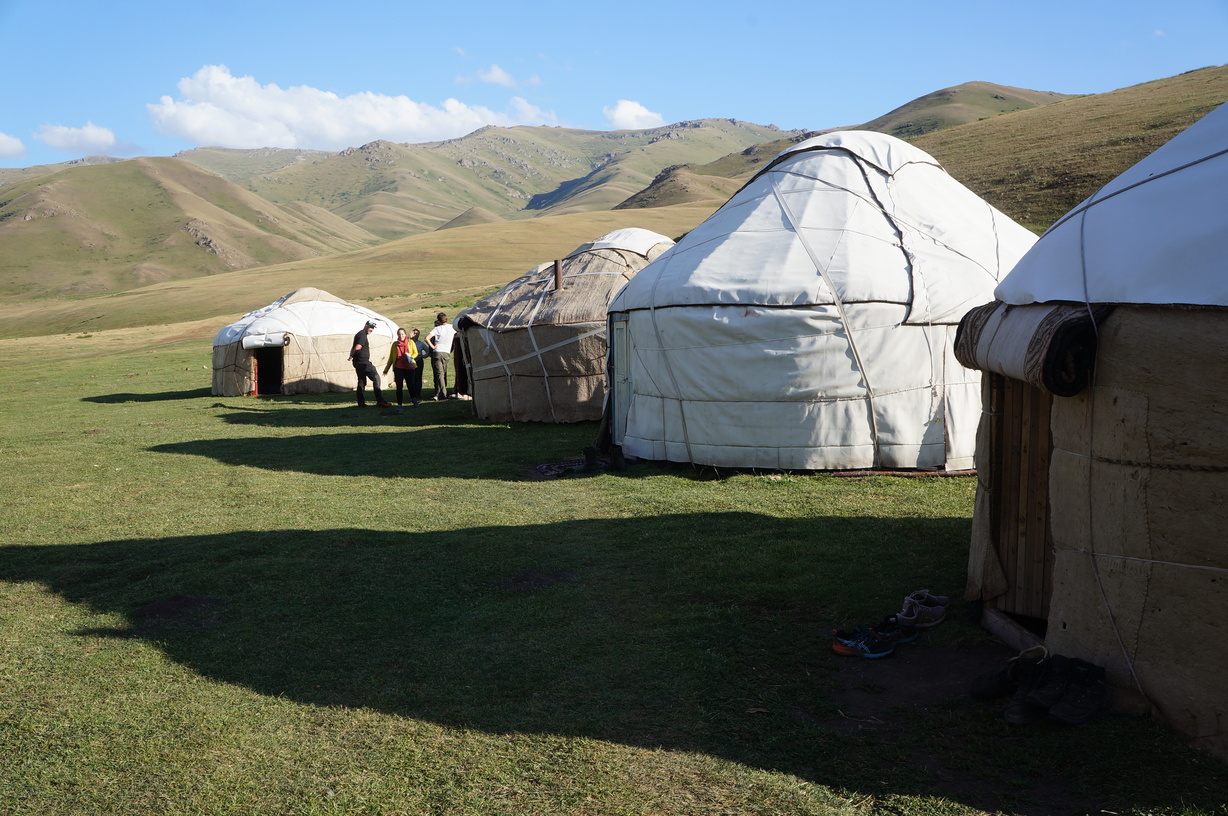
(1030, 668)
(1003, 681)
(1086, 696)
(1050, 688)
(865, 646)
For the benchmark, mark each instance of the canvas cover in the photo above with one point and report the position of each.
(1155, 234)
(809, 323)
(315, 329)
(1138, 474)
(536, 353)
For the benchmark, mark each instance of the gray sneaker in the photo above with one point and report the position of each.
(921, 615)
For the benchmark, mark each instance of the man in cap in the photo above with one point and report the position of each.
(360, 356)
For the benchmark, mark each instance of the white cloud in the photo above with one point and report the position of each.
(1159, 32)
(497, 76)
(217, 108)
(628, 115)
(11, 147)
(88, 139)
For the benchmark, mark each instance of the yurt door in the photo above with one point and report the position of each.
(269, 368)
(620, 375)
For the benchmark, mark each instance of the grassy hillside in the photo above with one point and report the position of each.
(396, 189)
(117, 226)
(950, 107)
(1034, 164)
(237, 165)
(411, 276)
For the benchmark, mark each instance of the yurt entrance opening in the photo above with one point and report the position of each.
(1020, 444)
(268, 370)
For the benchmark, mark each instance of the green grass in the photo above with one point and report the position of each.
(233, 606)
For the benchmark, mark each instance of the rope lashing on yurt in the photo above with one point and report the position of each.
(1091, 430)
(504, 363)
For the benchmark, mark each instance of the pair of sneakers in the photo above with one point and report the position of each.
(923, 609)
(873, 641)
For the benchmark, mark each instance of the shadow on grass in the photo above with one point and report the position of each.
(700, 632)
(108, 399)
(508, 451)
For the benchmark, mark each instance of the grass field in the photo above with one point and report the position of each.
(290, 606)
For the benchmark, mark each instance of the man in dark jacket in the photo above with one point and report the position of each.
(360, 356)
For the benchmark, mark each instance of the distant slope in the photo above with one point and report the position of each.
(959, 105)
(947, 108)
(236, 165)
(104, 228)
(470, 217)
(446, 268)
(394, 190)
(1034, 164)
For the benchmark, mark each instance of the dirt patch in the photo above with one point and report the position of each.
(917, 677)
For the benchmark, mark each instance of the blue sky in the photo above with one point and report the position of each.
(140, 77)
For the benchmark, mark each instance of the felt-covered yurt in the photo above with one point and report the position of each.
(809, 322)
(299, 344)
(535, 350)
(1102, 493)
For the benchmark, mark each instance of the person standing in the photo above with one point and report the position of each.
(360, 356)
(415, 376)
(403, 360)
(440, 340)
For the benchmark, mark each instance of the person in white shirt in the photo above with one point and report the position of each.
(440, 340)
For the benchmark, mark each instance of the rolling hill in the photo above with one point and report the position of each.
(109, 227)
(1035, 163)
(145, 241)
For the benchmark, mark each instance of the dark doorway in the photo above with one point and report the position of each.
(268, 370)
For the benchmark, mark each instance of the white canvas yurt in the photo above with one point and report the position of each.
(1125, 565)
(299, 344)
(808, 323)
(535, 351)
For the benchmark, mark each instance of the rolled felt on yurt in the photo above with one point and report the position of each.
(535, 350)
(1124, 564)
(299, 344)
(809, 322)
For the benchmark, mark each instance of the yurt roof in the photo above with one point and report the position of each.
(305, 312)
(591, 273)
(846, 217)
(1158, 233)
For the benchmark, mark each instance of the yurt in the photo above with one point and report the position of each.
(1103, 471)
(535, 350)
(299, 344)
(809, 322)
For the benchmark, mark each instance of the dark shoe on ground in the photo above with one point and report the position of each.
(1030, 668)
(1087, 694)
(1052, 686)
(892, 630)
(384, 404)
(865, 646)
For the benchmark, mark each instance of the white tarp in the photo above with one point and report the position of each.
(809, 322)
(305, 312)
(1155, 234)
